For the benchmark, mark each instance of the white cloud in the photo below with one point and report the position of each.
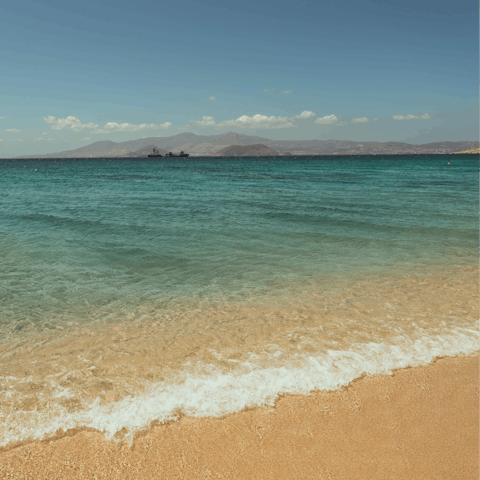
(305, 114)
(269, 89)
(425, 116)
(286, 91)
(68, 123)
(3, 117)
(73, 123)
(255, 121)
(206, 121)
(1, 139)
(375, 120)
(212, 99)
(44, 133)
(43, 139)
(87, 138)
(12, 130)
(252, 122)
(258, 121)
(360, 120)
(112, 127)
(17, 140)
(327, 119)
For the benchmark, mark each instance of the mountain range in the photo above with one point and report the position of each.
(212, 145)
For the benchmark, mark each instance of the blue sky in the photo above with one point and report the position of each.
(74, 73)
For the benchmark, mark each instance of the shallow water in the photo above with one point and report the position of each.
(140, 290)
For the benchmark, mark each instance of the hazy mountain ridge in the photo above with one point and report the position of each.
(257, 150)
(206, 145)
(145, 151)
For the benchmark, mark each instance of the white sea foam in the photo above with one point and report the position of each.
(206, 391)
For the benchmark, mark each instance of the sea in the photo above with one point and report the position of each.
(136, 291)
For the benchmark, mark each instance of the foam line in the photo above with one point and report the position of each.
(206, 391)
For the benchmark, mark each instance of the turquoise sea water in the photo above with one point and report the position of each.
(82, 240)
(89, 243)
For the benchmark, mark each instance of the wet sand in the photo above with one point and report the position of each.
(420, 423)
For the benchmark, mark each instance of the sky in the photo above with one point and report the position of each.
(72, 73)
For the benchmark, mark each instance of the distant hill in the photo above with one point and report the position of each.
(208, 145)
(189, 142)
(145, 151)
(257, 150)
(473, 151)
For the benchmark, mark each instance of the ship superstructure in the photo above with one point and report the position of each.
(181, 154)
(155, 153)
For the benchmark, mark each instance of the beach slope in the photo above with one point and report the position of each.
(419, 423)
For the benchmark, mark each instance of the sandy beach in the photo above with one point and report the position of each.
(419, 423)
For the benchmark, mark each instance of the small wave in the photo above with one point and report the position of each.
(206, 391)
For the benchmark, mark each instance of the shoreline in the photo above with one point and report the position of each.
(420, 422)
(240, 157)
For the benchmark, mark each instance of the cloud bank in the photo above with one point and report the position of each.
(425, 116)
(73, 123)
(68, 123)
(245, 121)
(112, 127)
(253, 122)
(14, 130)
(305, 114)
(259, 121)
(327, 120)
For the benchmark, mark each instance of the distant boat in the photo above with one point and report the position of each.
(155, 153)
(181, 154)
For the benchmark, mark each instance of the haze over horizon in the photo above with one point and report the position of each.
(79, 73)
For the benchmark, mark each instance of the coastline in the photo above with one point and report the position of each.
(420, 422)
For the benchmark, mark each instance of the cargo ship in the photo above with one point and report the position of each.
(181, 154)
(157, 154)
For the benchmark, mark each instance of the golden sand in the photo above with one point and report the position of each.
(420, 423)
